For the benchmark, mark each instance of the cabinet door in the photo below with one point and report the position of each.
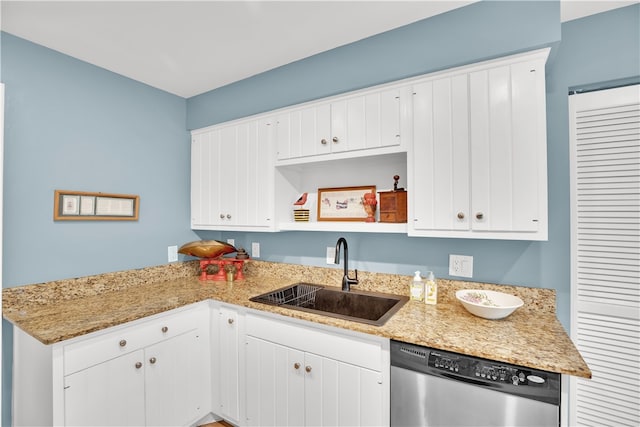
(441, 154)
(507, 144)
(274, 384)
(232, 179)
(340, 394)
(304, 132)
(204, 179)
(229, 368)
(229, 148)
(366, 121)
(108, 394)
(254, 175)
(176, 380)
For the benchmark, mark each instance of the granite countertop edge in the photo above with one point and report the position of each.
(532, 336)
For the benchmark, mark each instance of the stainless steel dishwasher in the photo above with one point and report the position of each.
(431, 387)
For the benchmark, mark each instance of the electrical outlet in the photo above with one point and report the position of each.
(255, 250)
(172, 253)
(460, 265)
(232, 242)
(331, 254)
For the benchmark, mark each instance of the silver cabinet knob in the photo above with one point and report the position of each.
(323, 141)
(230, 321)
(165, 329)
(460, 215)
(335, 139)
(152, 360)
(221, 216)
(228, 216)
(479, 215)
(296, 365)
(138, 365)
(122, 343)
(307, 368)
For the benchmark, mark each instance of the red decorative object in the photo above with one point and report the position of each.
(370, 203)
(221, 275)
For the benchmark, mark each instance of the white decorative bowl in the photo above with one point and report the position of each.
(488, 304)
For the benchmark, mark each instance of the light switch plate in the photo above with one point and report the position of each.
(331, 254)
(255, 250)
(172, 253)
(460, 265)
(232, 242)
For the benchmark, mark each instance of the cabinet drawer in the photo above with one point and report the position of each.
(366, 352)
(113, 342)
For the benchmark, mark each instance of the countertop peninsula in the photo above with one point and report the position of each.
(532, 336)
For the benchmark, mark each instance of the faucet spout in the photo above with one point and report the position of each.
(346, 280)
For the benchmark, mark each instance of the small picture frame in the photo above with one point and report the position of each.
(83, 206)
(343, 203)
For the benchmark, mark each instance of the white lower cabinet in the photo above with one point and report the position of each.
(159, 385)
(110, 393)
(298, 375)
(152, 372)
(229, 323)
(207, 361)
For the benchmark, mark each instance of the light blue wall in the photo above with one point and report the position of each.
(74, 126)
(70, 125)
(476, 32)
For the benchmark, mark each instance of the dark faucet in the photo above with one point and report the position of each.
(346, 280)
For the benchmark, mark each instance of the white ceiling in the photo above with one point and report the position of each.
(190, 47)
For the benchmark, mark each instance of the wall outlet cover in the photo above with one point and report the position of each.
(460, 265)
(172, 254)
(232, 242)
(331, 254)
(255, 250)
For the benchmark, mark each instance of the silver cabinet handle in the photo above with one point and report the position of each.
(307, 368)
(335, 139)
(165, 329)
(296, 365)
(323, 141)
(479, 215)
(138, 365)
(230, 321)
(122, 343)
(460, 215)
(152, 360)
(221, 216)
(228, 216)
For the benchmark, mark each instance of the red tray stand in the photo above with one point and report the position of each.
(221, 275)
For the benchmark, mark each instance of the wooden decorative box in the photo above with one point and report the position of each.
(393, 206)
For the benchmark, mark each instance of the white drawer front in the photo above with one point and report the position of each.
(359, 351)
(116, 341)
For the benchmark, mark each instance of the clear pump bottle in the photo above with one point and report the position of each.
(417, 288)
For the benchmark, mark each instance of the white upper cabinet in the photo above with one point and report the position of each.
(232, 176)
(478, 168)
(340, 128)
(470, 141)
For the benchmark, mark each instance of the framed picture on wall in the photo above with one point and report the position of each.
(343, 203)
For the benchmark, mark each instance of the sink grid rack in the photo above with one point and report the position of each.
(302, 295)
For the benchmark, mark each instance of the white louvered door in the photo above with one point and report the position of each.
(605, 255)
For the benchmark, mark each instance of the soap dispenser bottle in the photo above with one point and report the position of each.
(430, 289)
(417, 288)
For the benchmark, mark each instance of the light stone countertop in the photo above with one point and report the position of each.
(532, 336)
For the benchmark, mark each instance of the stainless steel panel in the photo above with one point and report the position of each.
(424, 400)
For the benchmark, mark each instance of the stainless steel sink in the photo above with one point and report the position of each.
(366, 307)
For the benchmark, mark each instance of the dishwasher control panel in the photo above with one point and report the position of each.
(472, 367)
(504, 377)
